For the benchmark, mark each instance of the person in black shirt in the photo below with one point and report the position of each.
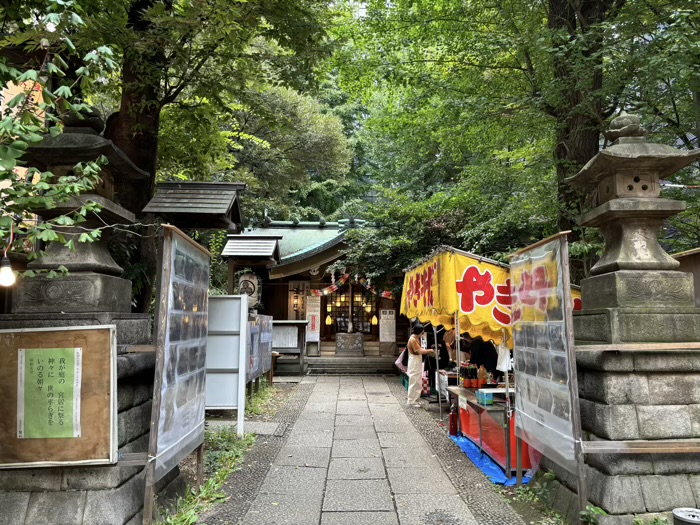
(484, 353)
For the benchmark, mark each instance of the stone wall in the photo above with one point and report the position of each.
(628, 396)
(97, 495)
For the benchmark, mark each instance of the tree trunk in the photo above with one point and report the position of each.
(134, 129)
(578, 74)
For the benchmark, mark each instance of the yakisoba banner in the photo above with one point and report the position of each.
(458, 282)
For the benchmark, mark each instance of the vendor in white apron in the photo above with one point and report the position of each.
(415, 365)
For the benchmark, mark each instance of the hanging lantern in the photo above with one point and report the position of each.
(337, 303)
(329, 307)
(7, 276)
(368, 308)
(375, 321)
(329, 320)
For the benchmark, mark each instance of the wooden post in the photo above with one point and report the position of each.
(200, 466)
(149, 495)
(256, 386)
(231, 286)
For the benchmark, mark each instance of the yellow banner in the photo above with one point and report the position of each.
(477, 290)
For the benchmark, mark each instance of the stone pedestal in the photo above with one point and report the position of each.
(628, 396)
(349, 345)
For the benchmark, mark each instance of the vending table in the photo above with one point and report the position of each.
(489, 427)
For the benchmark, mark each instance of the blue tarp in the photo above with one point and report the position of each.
(485, 463)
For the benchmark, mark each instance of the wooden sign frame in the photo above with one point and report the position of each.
(98, 441)
(195, 316)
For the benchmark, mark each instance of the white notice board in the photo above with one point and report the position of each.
(387, 326)
(227, 354)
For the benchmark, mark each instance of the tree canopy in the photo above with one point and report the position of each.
(478, 111)
(440, 122)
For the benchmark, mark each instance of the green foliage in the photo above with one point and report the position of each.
(224, 452)
(654, 521)
(477, 111)
(262, 400)
(33, 114)
(591, 513)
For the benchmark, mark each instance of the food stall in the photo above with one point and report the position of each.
(457, 289)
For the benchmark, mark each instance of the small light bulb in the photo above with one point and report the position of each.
(329, 320)
(7, 276)
(374, 320)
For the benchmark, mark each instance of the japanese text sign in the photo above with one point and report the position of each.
(546, 401)
(454, 282)
(48, 394)
(59, 391)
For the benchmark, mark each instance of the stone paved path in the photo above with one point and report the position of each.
(353, 457)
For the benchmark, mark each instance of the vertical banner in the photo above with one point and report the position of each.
(313, 316)
(387, 326)
(546, 390)
(48, 393)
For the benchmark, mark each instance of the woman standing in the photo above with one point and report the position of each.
(415, 365)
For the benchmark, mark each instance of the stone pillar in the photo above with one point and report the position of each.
(635, 295)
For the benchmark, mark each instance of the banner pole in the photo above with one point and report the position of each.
(437, 370)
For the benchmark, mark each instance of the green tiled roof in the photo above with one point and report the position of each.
(303, 239)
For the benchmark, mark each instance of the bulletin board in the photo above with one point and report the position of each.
(259, 346)
(177, 421)
(58, 387)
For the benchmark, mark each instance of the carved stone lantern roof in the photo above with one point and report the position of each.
(81, 142)
(631, 151)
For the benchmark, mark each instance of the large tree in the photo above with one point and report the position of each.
(464, 88)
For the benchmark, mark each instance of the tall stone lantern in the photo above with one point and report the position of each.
(636, 301)
(634, 294)
(94, 291)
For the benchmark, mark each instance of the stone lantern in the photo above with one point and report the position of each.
(639, 310)
(94, 290)
(635, 276)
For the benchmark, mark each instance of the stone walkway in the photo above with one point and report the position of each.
(354, 457)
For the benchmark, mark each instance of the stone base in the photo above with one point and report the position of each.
(638, 289)
(132, 329)
(637, 325)
(77, 292)
(624, 497)
(349, 345)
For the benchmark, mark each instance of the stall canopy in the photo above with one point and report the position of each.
(457, 282)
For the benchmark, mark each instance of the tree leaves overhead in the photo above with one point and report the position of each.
(479, 110)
